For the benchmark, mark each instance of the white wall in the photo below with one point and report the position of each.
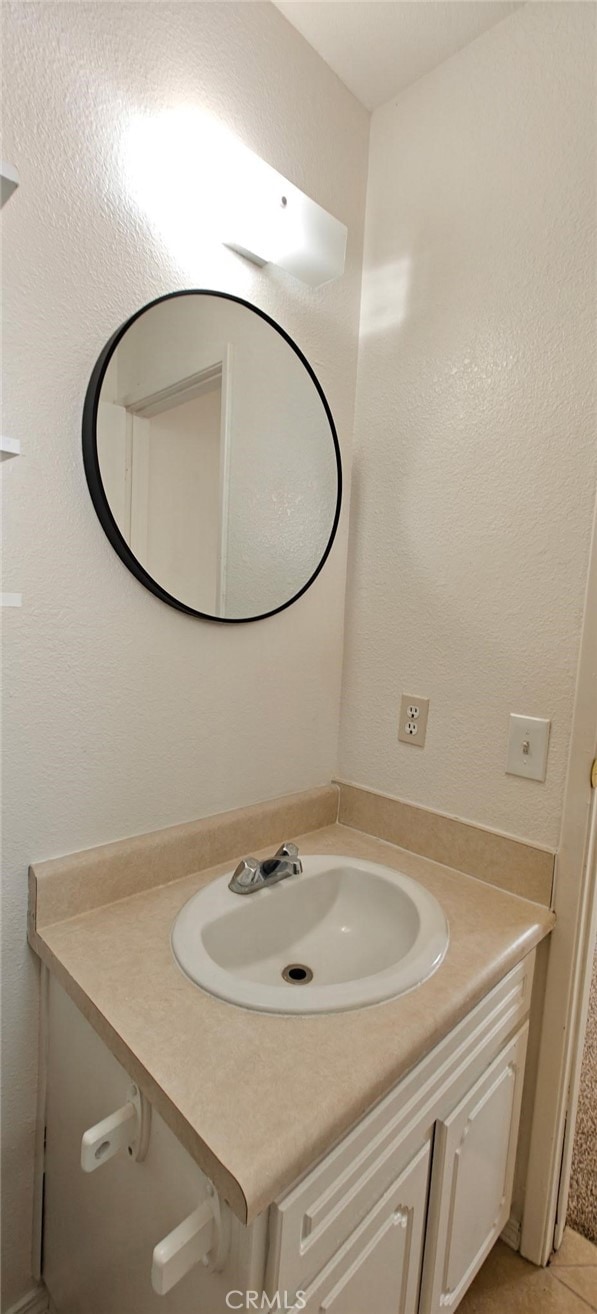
(121, 714)
(474, 471)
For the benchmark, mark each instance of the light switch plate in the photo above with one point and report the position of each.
(527, 747)
(412, 722)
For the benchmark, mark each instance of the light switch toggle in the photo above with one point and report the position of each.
(527, 747)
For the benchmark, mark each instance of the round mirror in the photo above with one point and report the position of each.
(211, 456)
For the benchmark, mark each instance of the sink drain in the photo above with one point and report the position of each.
(297, 974)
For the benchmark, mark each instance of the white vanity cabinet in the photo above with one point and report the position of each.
(396, 1218)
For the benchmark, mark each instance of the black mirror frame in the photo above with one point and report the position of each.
(96, 487)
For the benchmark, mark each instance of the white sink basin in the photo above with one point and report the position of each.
(365, 932)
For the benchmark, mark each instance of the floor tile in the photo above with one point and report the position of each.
(575, 1249)
(507, 1284)
(582, 1280)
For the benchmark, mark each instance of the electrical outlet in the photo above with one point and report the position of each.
(412, 723)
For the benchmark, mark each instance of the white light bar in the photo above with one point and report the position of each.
(275, 223)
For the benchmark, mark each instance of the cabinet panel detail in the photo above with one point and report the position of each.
(379, 1267)
(473, 1168)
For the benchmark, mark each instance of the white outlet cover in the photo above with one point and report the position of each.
(527, 747)
(412, 720)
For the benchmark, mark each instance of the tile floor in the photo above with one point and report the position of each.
(508, 1285)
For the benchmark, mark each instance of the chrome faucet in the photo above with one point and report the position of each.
(253, 875)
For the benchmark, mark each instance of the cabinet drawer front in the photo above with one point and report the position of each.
(316, 1216)
(379, 1267)
(473, 1169)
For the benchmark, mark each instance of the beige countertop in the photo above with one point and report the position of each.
(306, 1080)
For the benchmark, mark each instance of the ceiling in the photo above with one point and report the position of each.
(378, 47)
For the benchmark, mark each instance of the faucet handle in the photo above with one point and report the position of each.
(246, 874)
(287, 850)
(287, 853)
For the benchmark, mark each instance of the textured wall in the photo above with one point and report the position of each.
(474, 471)
(121, 714)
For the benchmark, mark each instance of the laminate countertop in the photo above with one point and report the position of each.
(200, 1060)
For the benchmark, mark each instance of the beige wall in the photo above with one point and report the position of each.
(121, 714)
(474, 469)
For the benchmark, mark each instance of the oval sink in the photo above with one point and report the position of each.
(342, 935)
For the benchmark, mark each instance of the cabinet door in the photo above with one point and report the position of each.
(379, 1267)
(471, 1181)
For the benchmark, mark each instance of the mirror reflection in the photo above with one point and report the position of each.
(217, 457)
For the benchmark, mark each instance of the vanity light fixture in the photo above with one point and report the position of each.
(273, 222)
(229, 195)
